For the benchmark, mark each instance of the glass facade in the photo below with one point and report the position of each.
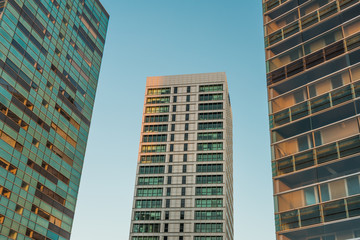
(50, 57)
(184, 174)
(313, 72)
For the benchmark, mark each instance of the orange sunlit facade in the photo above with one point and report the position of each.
(313, 78)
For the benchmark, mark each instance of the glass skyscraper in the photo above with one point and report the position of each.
(313, 72)
(184, 180)
(50, 56)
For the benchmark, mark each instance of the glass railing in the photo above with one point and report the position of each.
(307, 21)
(316, 156)
(322, 213)
(315, 105)
(313, 59)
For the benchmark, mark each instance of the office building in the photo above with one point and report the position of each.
(313, 73)
(50, 56)
(184, 180)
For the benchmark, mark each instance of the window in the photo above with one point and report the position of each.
(168, 190)
(155, 138)
(173, 117)
(9, 140)
(10, 114)
(208, 238)
(149, 192)
(158, 91)
(155, 128)
(184, 168)
(33, 234)
(151, 180)
(157, 100)
(166, 215)
(209, 157)
(182, 203)
(210, 136)
(170, 158)
(146, 228)
(48, 172)
(63, 134)
(157, 109)
(166, 227)
(211, 97)
(208, 215)
(208, 203)
(7, 166)
(42, 213)
(170, 169)
(167, 205)
(209, 179)
(50, 193)
(210, 106)
(207, 191)
(67, 116)
(155, 203)
(175, 89)
(61, 36)
(153, 148)
(208, 227)
(171, 147)
(182, 215)
(59, 153)
(186, 127)
(188, 98)
(209, 168)
(45, 103)
(169, 180)
(152, 159)
(210, 116)
(172, 127)
(185, 146)
(185, 158)
(187, 116)
(140, 215)
(172, 137)
(210, 125)
(157, 118)
(188, 89)
(12, 234)
(175, 99)
(49, 85)
(209, 146)
(181, 229)
(19, 209)
(186, 136)
(174, 108)
(183, 181)
(57, 52)
(183, 191)
(187, 107)
(211, 88)
(25, 185)
(151, 169)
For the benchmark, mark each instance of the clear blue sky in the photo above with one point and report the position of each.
(168, 37)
